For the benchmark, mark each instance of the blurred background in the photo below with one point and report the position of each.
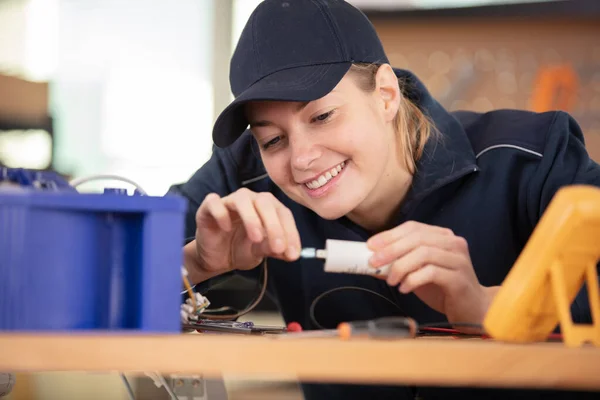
(133, 87)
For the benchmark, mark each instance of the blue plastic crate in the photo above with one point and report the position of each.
(71, 261)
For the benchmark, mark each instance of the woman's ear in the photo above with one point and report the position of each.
(388, 91)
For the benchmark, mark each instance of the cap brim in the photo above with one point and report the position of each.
(305, 83)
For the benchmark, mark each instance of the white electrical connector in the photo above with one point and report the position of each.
(345, 256)
(187, 308)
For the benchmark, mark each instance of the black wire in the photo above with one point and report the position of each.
(319, 297)
(255, 294)
(223, 309)
(450, 325)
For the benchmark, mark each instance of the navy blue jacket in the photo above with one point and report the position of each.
(489, 179)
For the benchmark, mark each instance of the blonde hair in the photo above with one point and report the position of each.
(412, 126)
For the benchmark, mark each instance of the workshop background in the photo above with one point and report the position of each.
(132, 88)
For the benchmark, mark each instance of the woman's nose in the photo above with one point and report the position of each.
(304, 153)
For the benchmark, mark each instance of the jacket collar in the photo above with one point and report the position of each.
(447, 157)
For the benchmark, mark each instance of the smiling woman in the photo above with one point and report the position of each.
(356, 150)
(368, 109)
(351, 131)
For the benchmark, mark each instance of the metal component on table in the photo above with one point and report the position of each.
(381, 328)
(310, 252)
(217, 328)
(248, 327)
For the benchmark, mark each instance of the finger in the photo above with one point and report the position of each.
(213, 207)
(191, 262)
(420, 257)
(429, 274)
(259, 251)
(291, 233)
(263, 249)
(405, 245)
(242, 203)
(382, 239)
(265, 206)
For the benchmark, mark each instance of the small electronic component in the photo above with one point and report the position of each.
(191, 310)
(247, 327)
(381, 328)
(345, 256)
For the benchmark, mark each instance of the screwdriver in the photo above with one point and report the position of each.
(380, 328)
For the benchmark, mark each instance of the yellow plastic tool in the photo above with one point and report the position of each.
(560, 256)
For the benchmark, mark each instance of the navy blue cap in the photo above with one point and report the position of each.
(294, 50)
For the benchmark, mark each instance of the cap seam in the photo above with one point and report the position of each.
(291, 67)
(254, 47)
(329, 22)
(308, 77)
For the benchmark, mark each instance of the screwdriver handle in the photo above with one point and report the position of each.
(382, 328)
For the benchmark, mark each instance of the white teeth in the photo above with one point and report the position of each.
(326, 177)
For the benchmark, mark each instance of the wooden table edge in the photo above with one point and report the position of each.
(443, 362)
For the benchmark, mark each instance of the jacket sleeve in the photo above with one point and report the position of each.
(565, 161)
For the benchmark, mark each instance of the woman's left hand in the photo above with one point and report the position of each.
(435, 264)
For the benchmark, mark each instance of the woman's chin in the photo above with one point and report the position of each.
(331, 213)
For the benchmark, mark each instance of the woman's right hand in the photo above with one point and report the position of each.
(238, 231)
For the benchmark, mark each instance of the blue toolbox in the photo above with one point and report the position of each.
(74, 261)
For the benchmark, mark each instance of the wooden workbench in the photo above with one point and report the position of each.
(447, 362)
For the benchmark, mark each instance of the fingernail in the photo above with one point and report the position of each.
(374, 242)
(292, 253)
(279, 245)
(375, 259)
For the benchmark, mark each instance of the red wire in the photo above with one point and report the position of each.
(444, 330)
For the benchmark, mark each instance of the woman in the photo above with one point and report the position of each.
(342, 146)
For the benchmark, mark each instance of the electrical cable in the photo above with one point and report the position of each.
(250, 307)
(255, 293)
(80, 181)
(319, 297)
(188, 287)
(219, 310)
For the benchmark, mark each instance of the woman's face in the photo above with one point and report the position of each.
(335, 155)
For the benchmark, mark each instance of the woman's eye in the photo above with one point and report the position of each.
(323, 117)
(271, 142)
